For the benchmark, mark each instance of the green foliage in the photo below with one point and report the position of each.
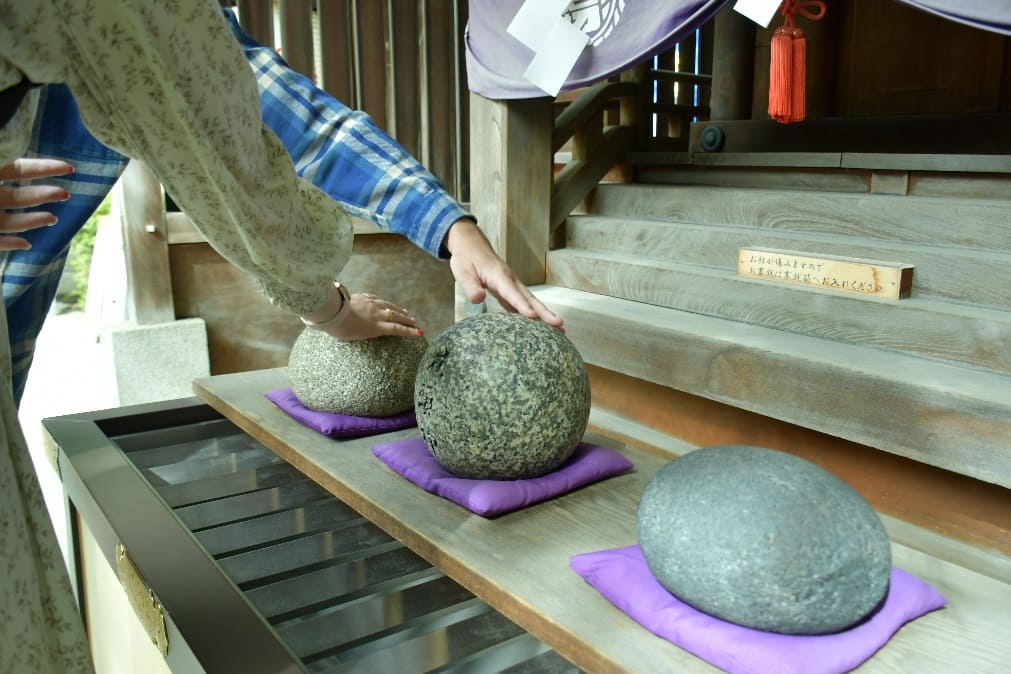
(79, 258)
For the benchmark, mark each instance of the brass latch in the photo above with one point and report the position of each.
(142, 598)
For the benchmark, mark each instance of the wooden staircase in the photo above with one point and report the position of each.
(647, 284)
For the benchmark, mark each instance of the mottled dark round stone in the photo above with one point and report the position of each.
(365, 378)
(502, 397)
(764, 539)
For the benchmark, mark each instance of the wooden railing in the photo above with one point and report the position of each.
(595, 147)
(400, 62)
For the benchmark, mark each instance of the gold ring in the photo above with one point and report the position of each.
(389, 315)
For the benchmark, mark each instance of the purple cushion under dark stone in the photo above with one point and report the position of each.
(412, 459)
(623, 578)
(338, 425)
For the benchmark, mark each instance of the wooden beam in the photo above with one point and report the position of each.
(296, 36)
(406, 49)
(584, 108)
(372, 61)
(337, 50)
(257, 19)
(733, 66)
(510, 169)
(575, 181)
(149, 282)
(983, 134)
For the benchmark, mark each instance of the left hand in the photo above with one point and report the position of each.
(477, 268)
(28, 196)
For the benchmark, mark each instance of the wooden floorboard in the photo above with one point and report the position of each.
(519, 562)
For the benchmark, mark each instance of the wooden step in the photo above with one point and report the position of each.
(952, 417)
(962, 223)
(958, 333)
(960, 274)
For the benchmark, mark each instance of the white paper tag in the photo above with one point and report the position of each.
(554, 60)
(534, 21)
(759, 11)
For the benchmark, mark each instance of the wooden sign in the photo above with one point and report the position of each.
(846, 274)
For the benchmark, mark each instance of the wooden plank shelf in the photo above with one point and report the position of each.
(518, 562)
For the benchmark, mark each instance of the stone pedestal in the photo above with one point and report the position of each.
(147, 363)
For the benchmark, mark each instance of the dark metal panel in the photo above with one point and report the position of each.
(119, 506)
(276, 527)
(252, 504)
(376, 570)
(272, 570)
(284, 560)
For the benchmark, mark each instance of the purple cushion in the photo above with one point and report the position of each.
(338, 425)
(412, 459)
(623, 578)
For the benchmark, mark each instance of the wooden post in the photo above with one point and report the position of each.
(336, 50)
(733, 66)
(148, 277)
(257, 18)
(296, 36)
(510, 179)
(634, 108)
(823, 59)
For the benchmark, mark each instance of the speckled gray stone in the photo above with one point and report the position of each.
(365, 378)
(764, 539)
(501, 397)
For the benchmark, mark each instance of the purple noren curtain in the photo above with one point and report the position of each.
(622, 33)
(626, 32)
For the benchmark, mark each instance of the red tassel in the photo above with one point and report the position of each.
(781, 62)
(798, 106)
(788, 63)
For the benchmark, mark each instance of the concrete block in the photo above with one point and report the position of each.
(156, 362)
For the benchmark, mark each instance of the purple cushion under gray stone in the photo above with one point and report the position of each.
(363, 378)
(622, 577)
(501, 396)
(338, 425)
(764, 539)
(412, 460)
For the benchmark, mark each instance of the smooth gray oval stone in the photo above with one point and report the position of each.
(764, 539)
(501, 396)
(364, 378)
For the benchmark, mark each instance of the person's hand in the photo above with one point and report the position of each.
(477, 268)
(28, 196)
(371, 316)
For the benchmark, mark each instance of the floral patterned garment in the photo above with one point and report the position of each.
(165, 82)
